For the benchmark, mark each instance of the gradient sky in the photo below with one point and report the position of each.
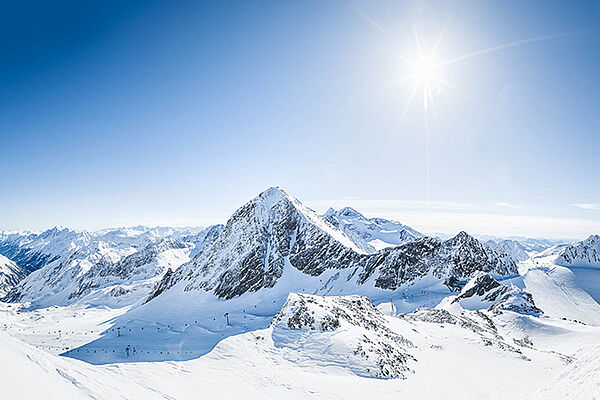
(126, 113)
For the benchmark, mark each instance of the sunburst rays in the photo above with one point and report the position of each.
(426, 70)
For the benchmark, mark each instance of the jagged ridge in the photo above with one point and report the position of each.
(274, 230)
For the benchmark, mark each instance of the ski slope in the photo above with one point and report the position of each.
(265, 364)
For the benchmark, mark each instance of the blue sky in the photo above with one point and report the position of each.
(125, 113)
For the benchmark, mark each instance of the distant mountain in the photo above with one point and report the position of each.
(514, 249)
(202, 238)
(517, 244)
(274, 238)
(113, 267)
(10, 274)
(34, 250)
(370, 234)
(537, 245)
(584, 253)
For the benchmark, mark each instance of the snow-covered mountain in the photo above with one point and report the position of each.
(10, 274)
(538, 245)
(565, 280)
(482, 291)
(113, 267)
(581, 254)
(370, 234)
(275, 233)
(282, 302)
(34, 250)
(514, 249)
(520, 247)
(585, 253)
(270, 234)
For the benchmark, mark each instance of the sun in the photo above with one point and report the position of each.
(425, 71)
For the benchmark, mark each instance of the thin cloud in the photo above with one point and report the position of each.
(588, 206)
(506, 204)
(390, 204)
(498, 224)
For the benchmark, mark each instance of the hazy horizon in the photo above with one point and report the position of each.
(414, 212)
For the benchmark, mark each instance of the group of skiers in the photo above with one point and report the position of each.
(129, 350)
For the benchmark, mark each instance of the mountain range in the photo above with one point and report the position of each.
(294, 292)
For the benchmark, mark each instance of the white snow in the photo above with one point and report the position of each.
(305, 336)
(451, 362)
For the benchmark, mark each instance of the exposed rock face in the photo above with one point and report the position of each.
(10, 274)
(485, 292)
(458, 257)
(516, 300)
(368, 346)
(584, 253)
(258, 240)
(370, 234)
(274, 231)
(484, 287)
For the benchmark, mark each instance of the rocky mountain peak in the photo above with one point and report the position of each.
(350, 212)
(274, 231)
(592, 240)
(56, 231)
(274, 194)
(274, 212)
(463, 237)
(584, 253)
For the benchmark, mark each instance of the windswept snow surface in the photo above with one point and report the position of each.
(580, 380)
(298, 357)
